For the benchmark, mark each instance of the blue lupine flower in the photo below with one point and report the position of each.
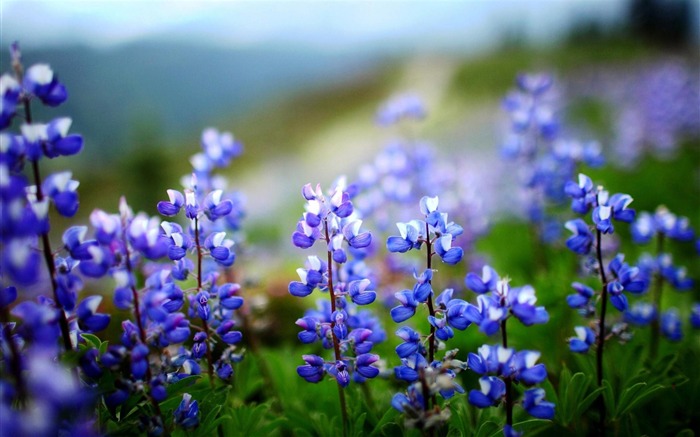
(410, 402)
(410, 237)
(41, 81)
(602, 218)
(522, 305)
(459, 314)
(583, 194)
(227, 334)
(21, 261)
(582, 240)
(107, 226)
(339, 371)
(444, 249)
(582, 297)
(676, 276)
(219, 248)
(88, 317)
(407, 308)
(399, 107)
(359, 294)
(144, 235)
(199, 347)
(412, 342)
(171, 208)
(7, 296)
(627, 278)
(355, 238)
(619, 203)
(640, 314)
(179, 241)
(139, 361)
(480, 285)
(228, 298)
(363, 365)
(671, 325)
(158, 391)
(491, 359)
(490, 314)
(585, 337)
(536, 406)
(219, 148)
(61, 189)
(442, 331)
(360, 340)
(177, 328)
(187, 413)
(73, 242)
(10, 94)
(67, 284)
(88, 363)
(523, 368)
(410, 367)
(313, 370)
(695, 316)
(492, 389)
(215, 207)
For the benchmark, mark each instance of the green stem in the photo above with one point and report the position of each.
(601, 334)
(205, 325)
(656, 298)
(336, 342)
(508, 380)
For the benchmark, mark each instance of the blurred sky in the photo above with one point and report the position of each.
(426, 25)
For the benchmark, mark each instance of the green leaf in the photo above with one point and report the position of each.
(609, 397)
(92, 339)
(388, 417)
(358, 426)
(529, 427)
(488, 428)
(587, 401)
(392, 430)
(635, 396)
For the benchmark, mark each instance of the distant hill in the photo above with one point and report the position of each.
(179, 89)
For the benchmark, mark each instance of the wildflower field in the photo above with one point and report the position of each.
(551, 291)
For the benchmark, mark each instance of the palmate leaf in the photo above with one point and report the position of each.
(635, 396)
(252, 420)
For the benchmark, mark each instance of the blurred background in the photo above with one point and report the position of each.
(299, 82)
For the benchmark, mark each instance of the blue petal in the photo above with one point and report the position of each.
(302, 241)
(364, 298)
(402, 313)
(479, 400)
(453, 256)
(299, 289)
(398, 244)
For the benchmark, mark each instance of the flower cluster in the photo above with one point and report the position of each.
(337, 324)
(498, 365)
(427, 375)
(546, 161)
(31, 346)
